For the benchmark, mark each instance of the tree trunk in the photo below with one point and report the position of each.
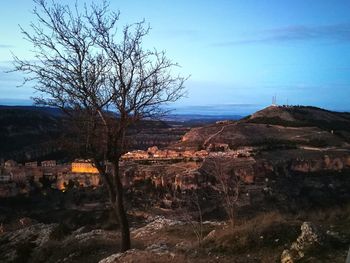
(117, 203)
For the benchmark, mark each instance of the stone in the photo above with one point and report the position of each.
(115, 257)
(210, 236)
(159, 248)
(158, 223)
(84, 237)
(183, 245)
(286, 257)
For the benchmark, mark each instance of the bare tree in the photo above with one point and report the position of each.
(193, 214)
(102, 78)
(227, 183)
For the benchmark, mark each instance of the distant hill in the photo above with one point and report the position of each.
(48, 110)
(200, 119)
(302, 116)
(287, 126)
(32, 133)
(29, 132)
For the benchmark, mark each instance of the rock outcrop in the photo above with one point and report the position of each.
(154, 225)
(309, 238)
(33, 237)
(135, 255)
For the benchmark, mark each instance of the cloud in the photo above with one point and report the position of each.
(6, 46)
(335, 32)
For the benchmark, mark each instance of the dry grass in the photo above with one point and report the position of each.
(341, 213)
(262, 236)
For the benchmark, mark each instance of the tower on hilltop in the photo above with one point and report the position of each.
(274, 100)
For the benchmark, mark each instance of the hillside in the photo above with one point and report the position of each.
(33, 133)
(27, 132)
(302, 116)
(274, 126)
(288, 157)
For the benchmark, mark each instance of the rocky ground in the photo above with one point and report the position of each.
(269, 237)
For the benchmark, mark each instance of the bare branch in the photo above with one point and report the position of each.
(101, 76)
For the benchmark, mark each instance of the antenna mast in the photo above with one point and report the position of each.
(274, 100)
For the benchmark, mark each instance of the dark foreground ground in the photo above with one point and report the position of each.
(77, 227)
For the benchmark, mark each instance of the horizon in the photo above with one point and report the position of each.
(236, 111)
(239, 55)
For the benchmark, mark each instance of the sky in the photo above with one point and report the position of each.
(239, 53)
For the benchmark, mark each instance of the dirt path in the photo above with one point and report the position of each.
(215, 134)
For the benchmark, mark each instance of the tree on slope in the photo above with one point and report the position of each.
(100, 75)
(227, 183)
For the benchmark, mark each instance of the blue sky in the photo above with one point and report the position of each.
(238, 53)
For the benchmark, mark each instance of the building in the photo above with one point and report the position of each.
(49, 163)
(31, 164)
(84, 166)
(137, 154)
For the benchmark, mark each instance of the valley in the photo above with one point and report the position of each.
(206, 194)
